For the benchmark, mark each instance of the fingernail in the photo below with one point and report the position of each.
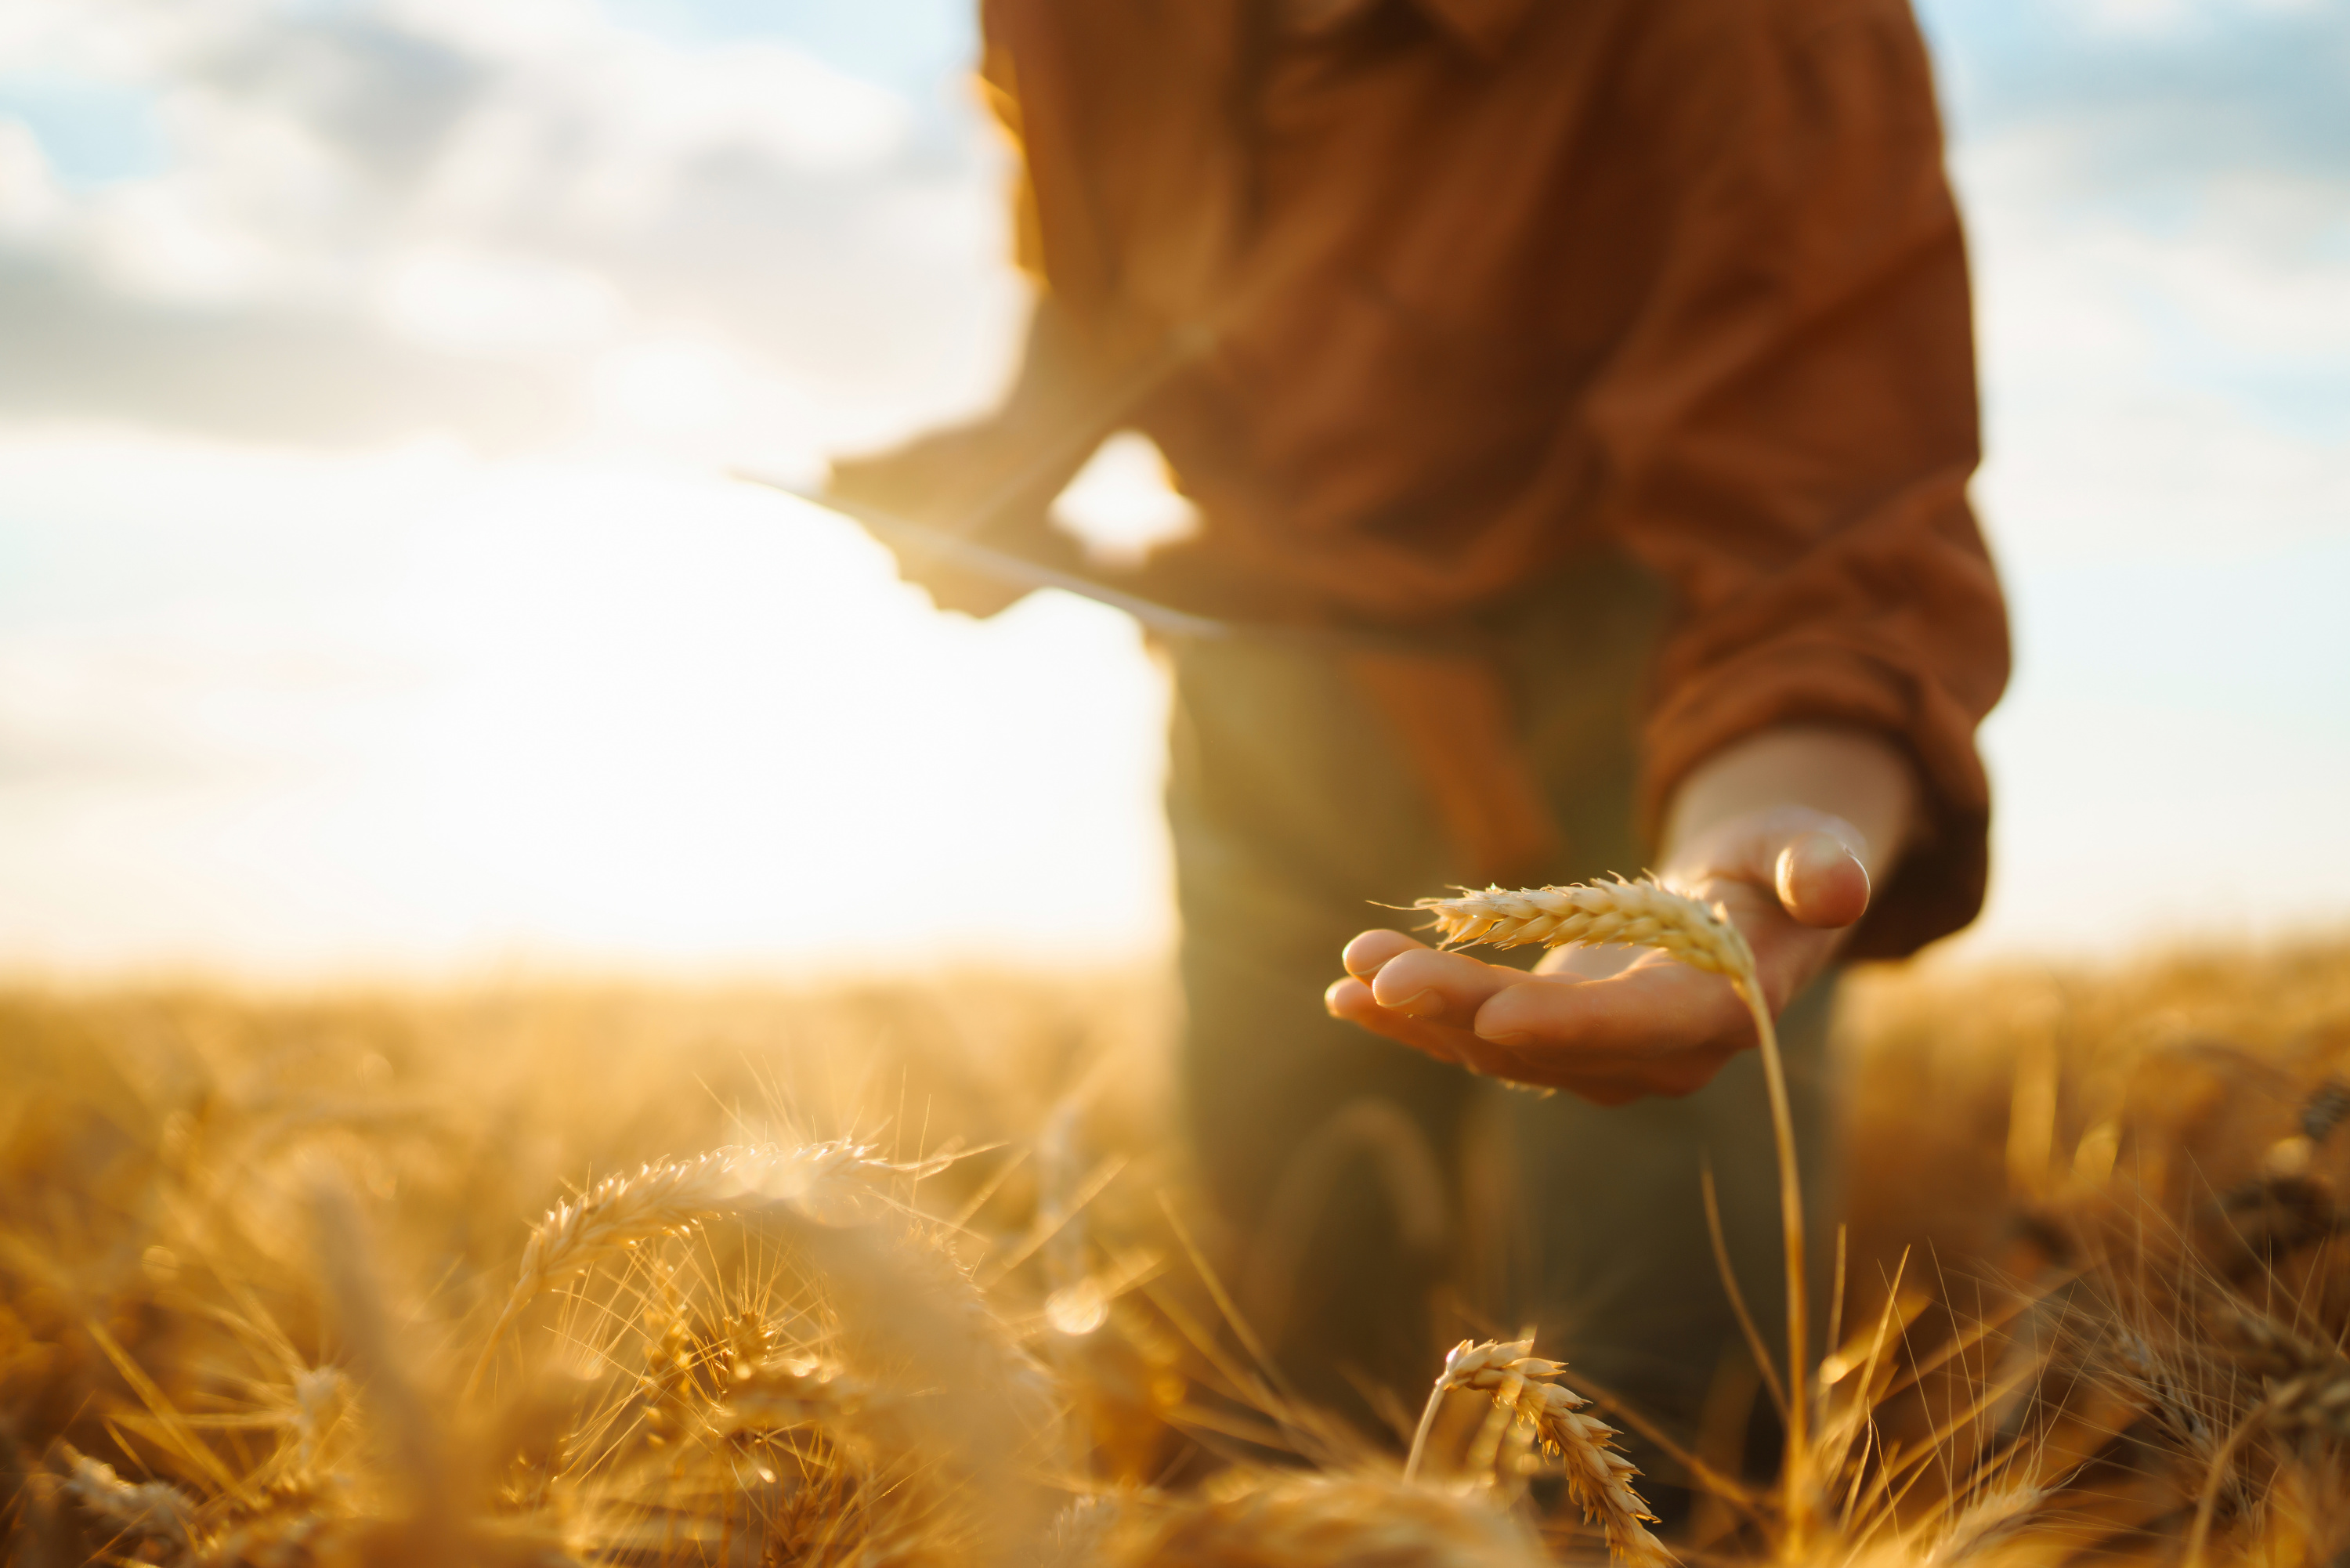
(1506, 1037)
(1418, 1004)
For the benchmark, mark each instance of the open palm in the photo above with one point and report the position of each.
(1612, 1024)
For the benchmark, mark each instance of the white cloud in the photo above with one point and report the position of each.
(30, 203)
(524, 183)
(2174, 388)
(2171, 19)
(596, 133)
(672, 385)
(758, 98)
(464, 301)
(2139, 16)
(513, 29)
(115, 38)
(168, 242)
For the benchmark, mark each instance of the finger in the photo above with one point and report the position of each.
(1820, 881)
(1363, 956)
(1350, 1000)
(1442, 987)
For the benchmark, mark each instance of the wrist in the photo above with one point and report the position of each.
(1854, 784)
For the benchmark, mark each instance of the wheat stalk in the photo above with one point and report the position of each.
(1651, 915)
(1523, 1387)
(665, 1198)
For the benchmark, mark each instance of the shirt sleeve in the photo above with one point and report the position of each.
(1791, 419)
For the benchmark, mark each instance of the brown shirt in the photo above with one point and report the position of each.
(1492, 282)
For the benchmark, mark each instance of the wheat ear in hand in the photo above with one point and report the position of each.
(1649, 915)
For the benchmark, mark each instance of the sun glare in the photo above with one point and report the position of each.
(543, 710)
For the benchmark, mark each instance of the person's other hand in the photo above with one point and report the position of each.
(1783, 829)
(941, 479)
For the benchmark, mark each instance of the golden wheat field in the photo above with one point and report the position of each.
(907, 1273)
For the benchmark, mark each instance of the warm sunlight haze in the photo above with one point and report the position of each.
(556, 1011)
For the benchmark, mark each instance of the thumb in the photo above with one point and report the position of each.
(1819, 880)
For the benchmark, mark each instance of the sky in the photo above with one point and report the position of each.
(373, 598)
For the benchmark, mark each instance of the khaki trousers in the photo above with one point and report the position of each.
(1384, 1204)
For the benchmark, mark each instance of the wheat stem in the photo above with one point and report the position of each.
(1790, 1221)
(1426, 1423)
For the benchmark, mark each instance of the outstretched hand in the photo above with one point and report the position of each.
(1612, 1023)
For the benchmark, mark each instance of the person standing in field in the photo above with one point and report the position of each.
(1591, 381)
